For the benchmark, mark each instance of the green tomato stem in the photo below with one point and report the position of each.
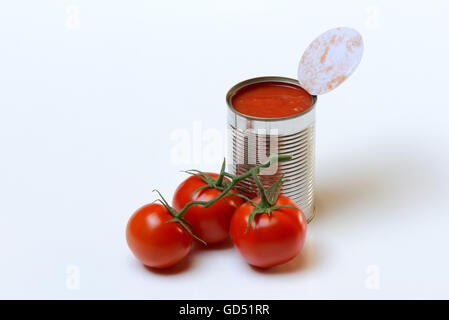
(264, 203)
(219, 182)
(236, 179)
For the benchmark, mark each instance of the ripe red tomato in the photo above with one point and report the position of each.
(271, 239)
(155, 242)
(209, 224)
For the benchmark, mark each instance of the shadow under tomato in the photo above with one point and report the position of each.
(182, 266)
(225, 245)
(187, 263)
(307, 258)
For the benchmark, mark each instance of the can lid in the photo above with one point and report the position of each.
(329, 60)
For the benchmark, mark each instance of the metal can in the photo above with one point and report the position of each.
(252, 139)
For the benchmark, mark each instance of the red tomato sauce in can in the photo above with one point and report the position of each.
(271, 99)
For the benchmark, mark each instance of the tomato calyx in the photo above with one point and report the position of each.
(268, 198)
(176, 217)
(220, 183)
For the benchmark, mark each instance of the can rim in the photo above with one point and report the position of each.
(245, 83)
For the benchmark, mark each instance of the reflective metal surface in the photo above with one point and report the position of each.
(252, 139)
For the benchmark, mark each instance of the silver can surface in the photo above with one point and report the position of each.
(252, 139)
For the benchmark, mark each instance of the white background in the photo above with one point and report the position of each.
(92, 92)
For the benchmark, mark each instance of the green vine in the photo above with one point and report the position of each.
(268, 197)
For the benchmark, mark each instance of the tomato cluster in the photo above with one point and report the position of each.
(207, 207)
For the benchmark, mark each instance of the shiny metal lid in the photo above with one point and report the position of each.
(329, 60)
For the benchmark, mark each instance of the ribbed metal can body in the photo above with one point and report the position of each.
(251, 140)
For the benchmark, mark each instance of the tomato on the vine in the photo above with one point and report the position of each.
(272, 237)
(154, 241)
(210, 224)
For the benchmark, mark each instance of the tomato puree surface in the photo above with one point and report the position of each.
(271, 100)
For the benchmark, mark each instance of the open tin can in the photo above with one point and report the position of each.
(251, 140)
